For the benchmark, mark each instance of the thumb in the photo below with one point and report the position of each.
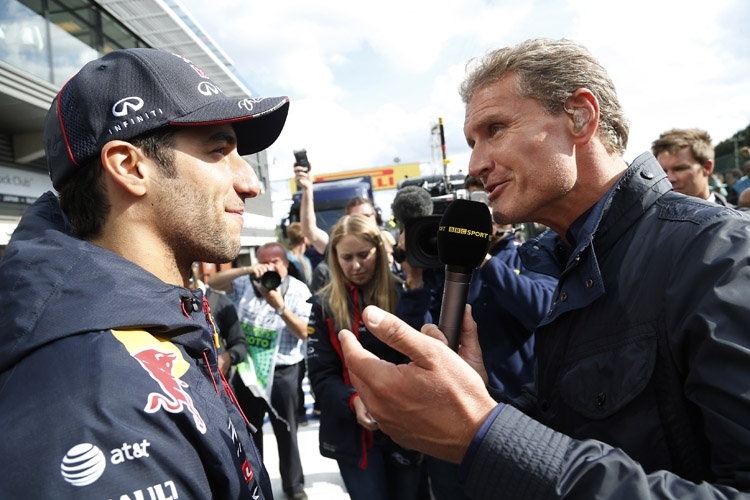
(399, 335)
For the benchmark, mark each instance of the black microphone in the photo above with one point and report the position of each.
(463, 241)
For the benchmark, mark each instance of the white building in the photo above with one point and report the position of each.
(45, 42)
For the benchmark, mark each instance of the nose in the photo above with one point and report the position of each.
(246, 181)
(480, 164)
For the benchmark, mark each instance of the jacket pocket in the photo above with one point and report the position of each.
(600, 383)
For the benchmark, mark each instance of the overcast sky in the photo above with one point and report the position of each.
(369, 80)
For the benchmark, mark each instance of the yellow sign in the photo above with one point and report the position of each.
(386, 177)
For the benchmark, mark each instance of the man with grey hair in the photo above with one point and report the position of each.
(687, 157)
(642, 387)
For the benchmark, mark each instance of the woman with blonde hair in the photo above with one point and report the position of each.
(373, 467)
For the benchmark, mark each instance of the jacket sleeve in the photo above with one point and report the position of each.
(706, 315)
(526, 294)
(231, 330)
(324, 365)
(414, 307)
(527, 460)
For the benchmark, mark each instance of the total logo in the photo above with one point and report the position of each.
(84, 463)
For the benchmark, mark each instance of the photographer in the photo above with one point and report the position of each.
(273, 311)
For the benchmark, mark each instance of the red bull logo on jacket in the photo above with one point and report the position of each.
(164, 362)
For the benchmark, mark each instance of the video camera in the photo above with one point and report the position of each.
(421, 232)
(421, 243)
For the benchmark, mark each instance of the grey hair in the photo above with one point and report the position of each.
(550, 71)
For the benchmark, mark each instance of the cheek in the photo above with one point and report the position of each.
(345, 267)
(552, 180)
(370, 266)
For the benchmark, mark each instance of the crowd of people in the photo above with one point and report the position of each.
(607, 358)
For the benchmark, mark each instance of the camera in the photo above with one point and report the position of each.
(300, 156)
(270, 280)
(421, 243)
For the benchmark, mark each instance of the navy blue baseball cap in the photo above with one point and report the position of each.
(129, 92)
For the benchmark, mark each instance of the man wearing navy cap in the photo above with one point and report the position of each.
(108, 363)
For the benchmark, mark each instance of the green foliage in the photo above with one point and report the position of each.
(728, 155)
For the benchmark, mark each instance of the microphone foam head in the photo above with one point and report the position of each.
(411, 202)
(464, 234)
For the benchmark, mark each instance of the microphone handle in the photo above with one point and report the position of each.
(455, 292)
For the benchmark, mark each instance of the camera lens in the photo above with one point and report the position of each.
(399, 254)
(270, 280)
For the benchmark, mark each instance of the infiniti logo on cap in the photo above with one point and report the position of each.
(208, 88)
(125, 106)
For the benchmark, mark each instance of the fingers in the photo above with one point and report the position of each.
(363, 416)
(397, 334)
(469, 348)
(433, 331)
(301, 173)
(359, 360)
(469, 328)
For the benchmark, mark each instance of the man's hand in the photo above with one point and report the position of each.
(413, 275)
(225, 362)
(273, 297)
(303, 177)
(434, 404)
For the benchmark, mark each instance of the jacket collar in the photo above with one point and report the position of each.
(641, 185)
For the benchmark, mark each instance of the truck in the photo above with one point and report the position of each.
(330, 200)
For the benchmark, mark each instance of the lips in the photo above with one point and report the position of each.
(494, 189)
(236, 212)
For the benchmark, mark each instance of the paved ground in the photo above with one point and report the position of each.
(322, 478)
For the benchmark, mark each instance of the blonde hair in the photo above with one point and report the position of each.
(699, 142)
(381, 291)
(294, 234)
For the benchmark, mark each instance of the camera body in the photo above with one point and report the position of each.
(421, 243)
(300, 157)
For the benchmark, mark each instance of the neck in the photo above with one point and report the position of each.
(146, 251)
(595, 178)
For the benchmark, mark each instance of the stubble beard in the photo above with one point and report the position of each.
(197, 230)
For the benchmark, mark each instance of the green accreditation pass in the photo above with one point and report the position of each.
(257, 370)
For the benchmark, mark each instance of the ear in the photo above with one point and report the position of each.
(708, 167)
(583, 108)
(123, 163)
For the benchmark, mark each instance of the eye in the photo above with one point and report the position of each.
(495, 129)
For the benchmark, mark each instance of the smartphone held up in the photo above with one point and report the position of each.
(300, 158)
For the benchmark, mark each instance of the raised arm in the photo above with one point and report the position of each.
(310, 230)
